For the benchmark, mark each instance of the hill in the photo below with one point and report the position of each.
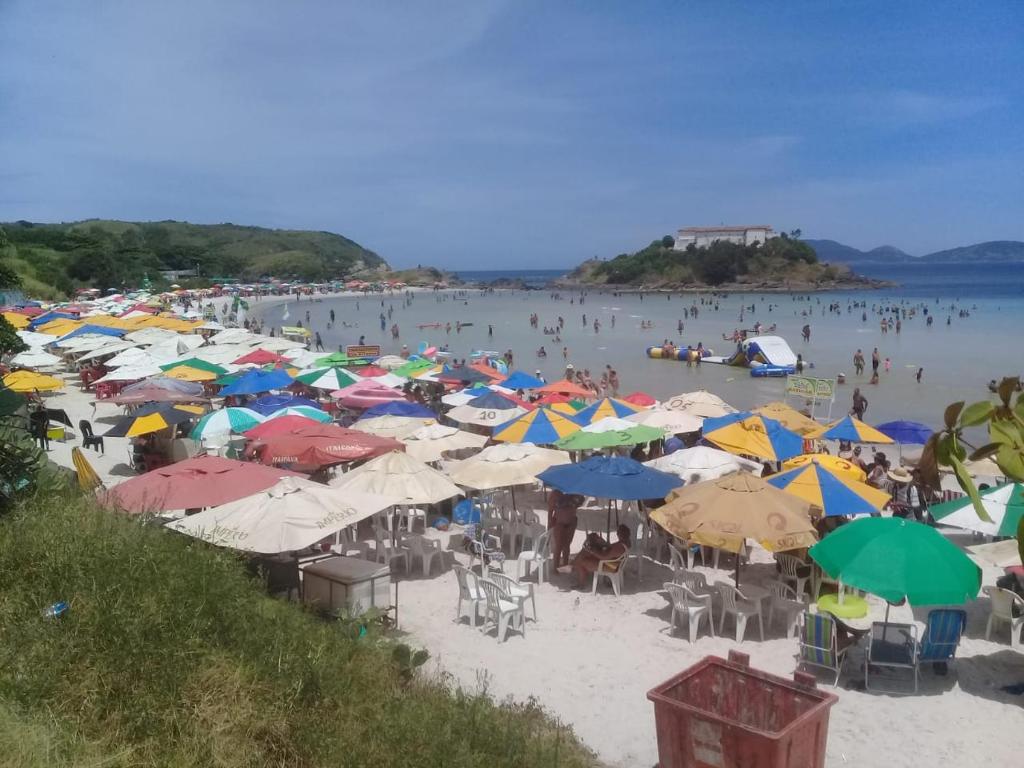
(993, 251)
(833, 252)
(53, 259)
(781, 263)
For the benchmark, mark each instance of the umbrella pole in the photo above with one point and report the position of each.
(608, 522)
(512, 490)
(737, 579)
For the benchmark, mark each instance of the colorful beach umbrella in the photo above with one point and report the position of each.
(604, 408)
(225, 421)
(789, 417)
(320, 445)
(833, 493)
(753, 435)
(641, 399)
(28, 381)
(282, 425)
(542, 426)
(566, 387)
(88, 480)
(896, 558)
(188, 373)
(1003, 504)
(197, 363)
(339, 358)
(413, 368)
(850, 429)
(833, 464)
(609, 433)
(906, 432)
(254, 382)
(521, 380)
(260, 357)
(152, 417)
(312, 414)
(400, 408)
(611, 477)
(327, 378)
(268, 404)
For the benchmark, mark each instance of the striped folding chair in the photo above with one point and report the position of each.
(942, 634)
(819, 644)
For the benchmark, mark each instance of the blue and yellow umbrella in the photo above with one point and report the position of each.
(835, 494)
(605, 408)
(751, 434)
(541, 426)
(851, 429)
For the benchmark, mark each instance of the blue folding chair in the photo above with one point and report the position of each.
(945, 627)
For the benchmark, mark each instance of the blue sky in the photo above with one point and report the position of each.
(532, 134)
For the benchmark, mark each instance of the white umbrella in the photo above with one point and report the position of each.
(505, 464)
(700, 463)
(609, 424)
(291, 515)
(232, 336)
(131, 373)
(463, 396)
(484, 417)
(390, 362)
(34, 339)
(387, 380)
(1001, 554)
(429, 443)
(168, 349)
(399, 475)
(150, 335)
(395, 427)
(35, 358)
(699, 403)
(674, 422)
(116, 350)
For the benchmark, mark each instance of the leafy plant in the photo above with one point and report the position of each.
(408, 661)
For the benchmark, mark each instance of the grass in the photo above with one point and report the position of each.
(170, 655)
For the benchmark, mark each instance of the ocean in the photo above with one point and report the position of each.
(984, 306)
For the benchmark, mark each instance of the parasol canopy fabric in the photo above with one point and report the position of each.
(268, 404)
(542, 426)
(834, 493)
(1003, 504)
(320, 445)
(327, 378)
(611, 477)
(400, 408)
(702, 462)
(152, 417)
(906, 432)
(28, 381)
(673, 422)
(505, 464)
(225, 421)
(609, 432)
(789, 417)
(282, 425)
(311, 414)
(431, 442)
(700, 403)
(851, 429)
(395, 427)
(256, 381)
(898, 559)
(566, 387)
(400, 476)
(521, 380)
(753, 435)
(604, 408)
(833, 464)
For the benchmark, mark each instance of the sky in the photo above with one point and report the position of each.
(498, 135)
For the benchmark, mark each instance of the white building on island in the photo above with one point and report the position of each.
(702, 237)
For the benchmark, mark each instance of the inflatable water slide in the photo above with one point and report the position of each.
(763, 355)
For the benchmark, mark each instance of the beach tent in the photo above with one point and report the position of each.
(400, 476)
(751, 434)
(429, 443)
(291, 515)
(702, 462)
(505, 465)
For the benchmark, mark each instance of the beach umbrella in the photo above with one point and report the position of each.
(604, 408)
(260, 356)
(1003, 504)
(463, 375)
(365, 394)
(18, 320)
(126, 356)
(611, 477)
(131, 373)
(34, 339)
(152, 417)
(269, 404)
(163, 382)
(327, 378)
(304, 411)
(700, 403)
(320, 445)
(188, 373)
(789, 417)
(753, 435)
(850, 429)
(898, 559)
(400, 408)
(196, 363)
(609, 433)
(283, 424)
(225, 421)
(253, 382)
(28, 381)
(725, 512)
(833, 464)
(1001, 554)
(390, 362)
(702, 462)
(339, 358)
(641, 399)
(505, 465)
(88, 480)
(35, 358)
(490, 410)
(289, 516)
(833, 493)
(672, 422)
(152, 394)
(400, 476)
(395, 427)
(542, 426)
(412, 368)
(429, 443)
(906, 432)
(372, 371)
(521, 380)
(566, 387)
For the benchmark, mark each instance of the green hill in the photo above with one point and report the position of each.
(53, 259)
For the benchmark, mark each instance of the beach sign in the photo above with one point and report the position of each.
(363, 350)
(811, 388)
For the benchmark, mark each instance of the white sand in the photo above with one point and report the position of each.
(590, 660)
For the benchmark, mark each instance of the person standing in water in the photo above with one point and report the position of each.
(860, 404)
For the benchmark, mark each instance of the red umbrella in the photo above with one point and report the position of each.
(320, 445)
(553, 397)
(260, 357)
(566, 387)
(369, 371)
(205, 481)
(640, 398)
(280, 425)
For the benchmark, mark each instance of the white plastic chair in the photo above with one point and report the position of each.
(540, 556)
(386, 550)
(346, 542)
(738, 606)
(785, 599)
(695, 581)
(790, 567)
(502, 610)
(518, 592)
(694, 606)
(409, 516)
(677, 561)
(470, 595)
(611, 570)
(426, 550)
(530, 532)
(487, 550)
(1002, 603)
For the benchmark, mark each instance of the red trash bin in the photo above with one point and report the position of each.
(723, 714)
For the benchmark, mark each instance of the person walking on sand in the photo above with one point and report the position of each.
(860, 404)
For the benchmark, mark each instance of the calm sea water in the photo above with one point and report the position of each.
(958, 359)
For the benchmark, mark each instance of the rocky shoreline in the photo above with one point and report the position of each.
(763, 286)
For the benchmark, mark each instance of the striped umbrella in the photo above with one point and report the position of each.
(302, 410)
(327, 378)
(542, 426)
(152, 417)
(851, 429)
(604, 408)
(753, 435)
(834, 493)
(833, 464)
(1004, 505)
(225, 421)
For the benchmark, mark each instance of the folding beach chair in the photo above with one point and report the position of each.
(819, 644)
(941, 637)
(891, 646)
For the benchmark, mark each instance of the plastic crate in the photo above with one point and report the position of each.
(722, 714)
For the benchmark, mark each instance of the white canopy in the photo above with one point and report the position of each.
(131, 373)
(35, 358)
(699, 403)
(484, 417)
(112, 349)
(291, 515)
(675, 422)
(505, 464)
(397, 474)
(34, 339)
(700, 463)
(395, 427)
(429, 443)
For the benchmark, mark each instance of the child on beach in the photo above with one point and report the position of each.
(888, 365)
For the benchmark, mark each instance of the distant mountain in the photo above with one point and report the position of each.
(832, 252)
(1004, 251)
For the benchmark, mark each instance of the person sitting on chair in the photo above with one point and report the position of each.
(595, 550)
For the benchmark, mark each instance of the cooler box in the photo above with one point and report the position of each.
(722, 714)
(347, 584)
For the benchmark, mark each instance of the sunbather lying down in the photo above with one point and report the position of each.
(595, 549)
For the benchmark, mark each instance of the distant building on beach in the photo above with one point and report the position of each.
(701, 237)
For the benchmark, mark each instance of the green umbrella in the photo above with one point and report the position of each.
(410, 369)
(1004, 505)
(589, 441)
(195, 362)
(327, 378)
(895, 559)
(339, 358)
